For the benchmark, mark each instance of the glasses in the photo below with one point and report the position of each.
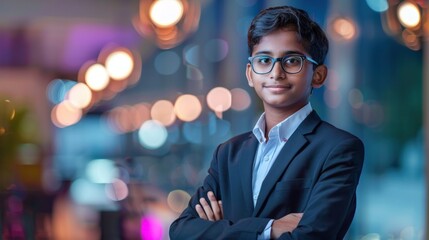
(292, 64)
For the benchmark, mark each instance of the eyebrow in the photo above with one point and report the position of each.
(286, 53)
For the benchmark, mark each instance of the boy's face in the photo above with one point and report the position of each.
(280, 90)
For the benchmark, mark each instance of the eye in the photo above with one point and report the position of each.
(292, 61)
(263, 60)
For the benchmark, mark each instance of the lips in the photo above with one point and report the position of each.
(277, 88)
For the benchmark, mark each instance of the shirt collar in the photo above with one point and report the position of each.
(285, 128)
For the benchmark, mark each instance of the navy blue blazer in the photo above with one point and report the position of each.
(316, 173)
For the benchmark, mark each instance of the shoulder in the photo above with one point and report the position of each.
(326, 127)
(332, 135)
(327, 133)
(239, 138)
(238, 142)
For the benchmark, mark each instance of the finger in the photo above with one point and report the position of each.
(215, 206)
(221, 207)
(207, 209)
(200, 212)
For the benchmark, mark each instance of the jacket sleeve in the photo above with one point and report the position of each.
(332, 202)
(190, 226)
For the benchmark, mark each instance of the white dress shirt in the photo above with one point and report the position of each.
(268, 150)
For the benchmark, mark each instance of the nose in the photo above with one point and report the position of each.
(278, 72)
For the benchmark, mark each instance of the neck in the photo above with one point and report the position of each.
(272, 119)
(274, 116)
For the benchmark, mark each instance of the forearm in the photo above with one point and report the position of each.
(189, 227)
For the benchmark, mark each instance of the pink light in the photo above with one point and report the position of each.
(151, 228)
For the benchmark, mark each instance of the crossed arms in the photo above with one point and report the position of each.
(214, 212)
(327, 211)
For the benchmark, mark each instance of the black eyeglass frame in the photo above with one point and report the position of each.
(302, 56)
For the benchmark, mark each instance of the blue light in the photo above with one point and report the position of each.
(378, 5)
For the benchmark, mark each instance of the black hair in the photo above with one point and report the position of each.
(274, 18)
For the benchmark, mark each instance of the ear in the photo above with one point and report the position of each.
(249, 75)
(319, 76)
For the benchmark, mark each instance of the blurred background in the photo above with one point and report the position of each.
(110, 110)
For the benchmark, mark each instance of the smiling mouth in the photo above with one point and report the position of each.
(278, 88)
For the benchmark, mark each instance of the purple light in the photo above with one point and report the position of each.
(151, 228)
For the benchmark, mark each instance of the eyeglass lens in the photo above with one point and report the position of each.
(264, 64)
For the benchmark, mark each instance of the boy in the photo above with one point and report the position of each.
(294, 176)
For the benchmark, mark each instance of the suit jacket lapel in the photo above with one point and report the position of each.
(246, 157)
(286, 155)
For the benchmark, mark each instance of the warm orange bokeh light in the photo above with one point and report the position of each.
(65, 114)
(409, 14)
(166, 13)
(128, 118)
(178, 200)
(141, 113)
(97, 77)
(187, 107)
(80, 95)
(344, 28)
(163, 112)
(119, 64)
(219, 99)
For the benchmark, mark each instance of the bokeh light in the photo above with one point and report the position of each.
(83, 191)
(378, 5)
(163, 112)
(195, 74)
(119, 119)
(101, 171)
(65, 114)
(216, 50)
(178, 200)
(344, 29)
(117, 190)
(411, 39)
(187, 107)
(191, 55)
(113, 120)
(57, 90)
(167, 63)
(7, 113)
(124, 119)
(371, 236)
(219, 99)
(355, 98)
(166, 13)
(409, 14)
(240, 99)
(119, 64)
(140, 114)
(151, 228)
(152, 134)
(79, 95)
(97, 77)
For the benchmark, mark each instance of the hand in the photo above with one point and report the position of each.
(212, 212)
(287, 223)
